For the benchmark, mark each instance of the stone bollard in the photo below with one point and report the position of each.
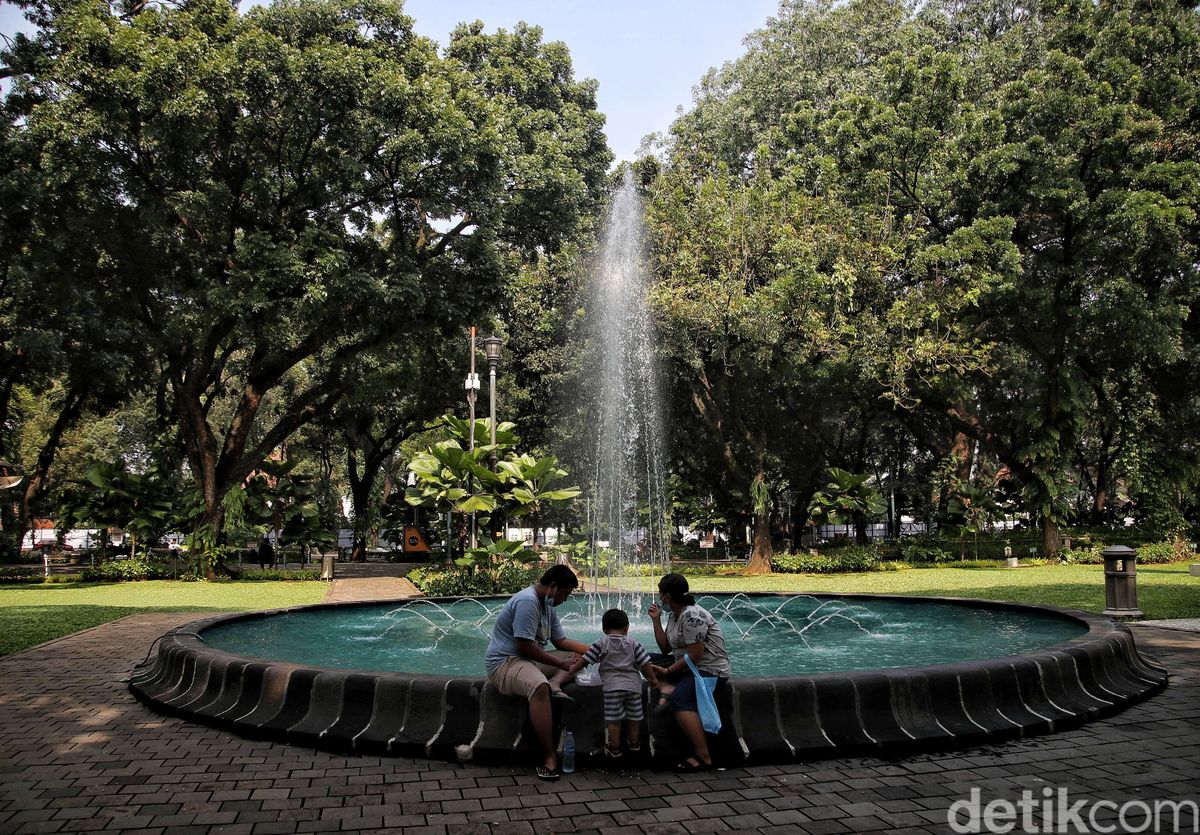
(1009, 559)
(1120, 582)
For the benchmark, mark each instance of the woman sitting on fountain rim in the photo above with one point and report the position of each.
(690, 631)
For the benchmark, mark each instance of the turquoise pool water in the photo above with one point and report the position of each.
(765, 634)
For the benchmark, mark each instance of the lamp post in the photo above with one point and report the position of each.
(491, 349)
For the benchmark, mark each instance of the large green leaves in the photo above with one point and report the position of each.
(846, 497)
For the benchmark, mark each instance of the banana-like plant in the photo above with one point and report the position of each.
(493, 550)
(111, 496)
(529, 493)
(846, 498)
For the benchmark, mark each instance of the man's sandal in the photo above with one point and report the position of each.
(612, 754)
(691, 764)
(546, 773)
(561, 696)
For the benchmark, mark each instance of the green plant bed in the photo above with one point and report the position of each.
(280, 574)
(454, 581)
(19, 574)
(1164, 591)
(32, 614)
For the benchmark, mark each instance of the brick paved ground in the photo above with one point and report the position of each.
(78, 754)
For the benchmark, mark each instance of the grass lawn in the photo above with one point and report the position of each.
(1164, 591)
(30, 615)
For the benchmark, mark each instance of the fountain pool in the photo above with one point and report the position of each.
(814, 675)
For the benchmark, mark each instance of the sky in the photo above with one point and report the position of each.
(647, 55)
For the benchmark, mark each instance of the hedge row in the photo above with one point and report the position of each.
(458, 581)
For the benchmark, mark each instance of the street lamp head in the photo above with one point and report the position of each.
(491, 348)
(10, 477)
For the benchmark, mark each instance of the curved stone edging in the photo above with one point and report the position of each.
(767, 719)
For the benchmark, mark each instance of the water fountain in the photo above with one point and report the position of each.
(836, 674)
(627, 498)
(1035, 670)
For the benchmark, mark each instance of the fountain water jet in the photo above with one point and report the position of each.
(629, 508)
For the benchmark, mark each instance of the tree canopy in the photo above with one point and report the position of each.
(262, 199)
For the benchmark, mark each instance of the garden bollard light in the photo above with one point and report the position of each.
(327, 565)
(1120, 582)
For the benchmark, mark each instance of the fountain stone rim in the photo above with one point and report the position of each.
(815, 714)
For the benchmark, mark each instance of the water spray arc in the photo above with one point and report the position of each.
(629, 516)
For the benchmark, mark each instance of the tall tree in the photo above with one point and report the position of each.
(295, 186)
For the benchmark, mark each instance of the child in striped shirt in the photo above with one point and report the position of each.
(620, 658)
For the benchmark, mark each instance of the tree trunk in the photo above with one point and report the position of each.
(760, 555)
(214, 521)
(761, 552)
(1051, 541)
(860, 529)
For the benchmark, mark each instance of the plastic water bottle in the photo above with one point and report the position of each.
(568, 763)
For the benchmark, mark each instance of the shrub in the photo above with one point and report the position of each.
(925, 552)
(831, 561)
(19, 574)
(1083, 555)
(459, 581)
(1158, 553)
(124, 570)
(280, 574)
(688, 568)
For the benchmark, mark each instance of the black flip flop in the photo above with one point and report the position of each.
(562, 696)
(548, 774)
(690, 765)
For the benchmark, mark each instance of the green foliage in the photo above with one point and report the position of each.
(846, 497)
(502, 578)
(1161, 553)
(497, 550)
(851, 558)
(280, 498)
(114, 571)
(1083, 555)
(327, 189)
(451, 477)
(19, 574)
(279, 574)
(527, 487)
(918, 551)
(688, 569)
(1150, 553)
(111, 496)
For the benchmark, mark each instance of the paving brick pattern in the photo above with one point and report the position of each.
(78, 754)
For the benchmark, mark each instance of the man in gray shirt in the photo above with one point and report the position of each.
(518, 663)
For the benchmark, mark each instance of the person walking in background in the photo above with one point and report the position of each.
(620, 658)
(517, 662)
(266, 554)
(690, 631)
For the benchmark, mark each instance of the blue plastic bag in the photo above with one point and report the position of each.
(710, 717)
